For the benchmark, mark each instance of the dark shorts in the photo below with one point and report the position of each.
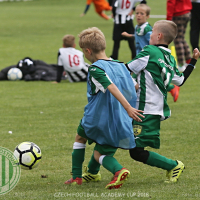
(102, 149)
(119, 28)
(147, 132)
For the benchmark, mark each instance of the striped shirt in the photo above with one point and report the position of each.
(121, 10)
(71, 60)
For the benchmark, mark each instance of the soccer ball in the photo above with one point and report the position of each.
(14, 74)
(28, 155)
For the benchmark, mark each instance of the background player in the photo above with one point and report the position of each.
(143, 30)
(100, 6)
(123, 21)
(71, 60)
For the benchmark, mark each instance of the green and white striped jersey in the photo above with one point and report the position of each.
(156, 69)
(98, 79)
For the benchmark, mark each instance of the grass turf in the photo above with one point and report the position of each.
(48, 114)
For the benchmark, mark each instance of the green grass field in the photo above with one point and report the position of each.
(48, 114)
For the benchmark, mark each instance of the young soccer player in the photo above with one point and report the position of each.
(100, 6)
(71, 61)
(143, 30)
(156, 69)
(123, 21)
(108, 115)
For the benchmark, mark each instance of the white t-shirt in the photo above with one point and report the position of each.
(71, 59)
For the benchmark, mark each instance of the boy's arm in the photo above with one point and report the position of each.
(103, 82)
(191, 65)
(125, 34)
(132, 112)
(60, 70)
(139, 62)
(86, 7)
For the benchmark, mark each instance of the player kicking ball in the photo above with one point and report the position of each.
(107, 119)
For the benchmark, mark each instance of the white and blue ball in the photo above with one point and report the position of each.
(14, 74)
(28, 155)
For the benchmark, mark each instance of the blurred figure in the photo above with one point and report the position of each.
(123, 21)
(100, 6)
(179, 13)
(195, 24)
(71, 61)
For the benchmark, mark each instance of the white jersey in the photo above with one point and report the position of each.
(123, 8)
(73, 62)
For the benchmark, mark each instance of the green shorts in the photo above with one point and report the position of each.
(147, 132)
(102, 149)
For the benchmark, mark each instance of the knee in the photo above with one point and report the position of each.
(80, 139)
(139, 154)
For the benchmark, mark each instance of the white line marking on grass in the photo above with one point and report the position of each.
(158, 16)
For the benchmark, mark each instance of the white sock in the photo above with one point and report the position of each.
(101, 159)
(78, 145)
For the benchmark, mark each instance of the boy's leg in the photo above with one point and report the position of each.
(151, 158)
(174, 168)
(92, 172)
(78, 155)
(131, 44)
(117, 30)
(129, 28)
(174, 90)
(111, 164)
(115, 51)
(147, 134)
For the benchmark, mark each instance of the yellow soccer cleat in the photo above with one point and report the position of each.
(174, 174)
(88, 177)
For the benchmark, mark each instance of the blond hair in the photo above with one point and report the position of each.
(68, 41)
(168, 29)
(92, 38)
(145, 7)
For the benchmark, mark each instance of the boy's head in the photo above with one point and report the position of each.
(93, 39)
(164, 32)
(68, 41)
(142, 12)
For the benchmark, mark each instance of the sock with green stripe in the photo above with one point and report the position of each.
(78, 155)
(93, 165)
(156, 160)
(170, 87)
(110, 163)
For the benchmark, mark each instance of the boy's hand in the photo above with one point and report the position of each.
(124, 33)
(134, 113)
(196, 53)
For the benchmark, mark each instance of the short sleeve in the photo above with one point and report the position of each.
(99, 78)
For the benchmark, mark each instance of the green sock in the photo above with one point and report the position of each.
(111, 164)
(77, 161)
(170, 87)
(93, 166)
(159, 161)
